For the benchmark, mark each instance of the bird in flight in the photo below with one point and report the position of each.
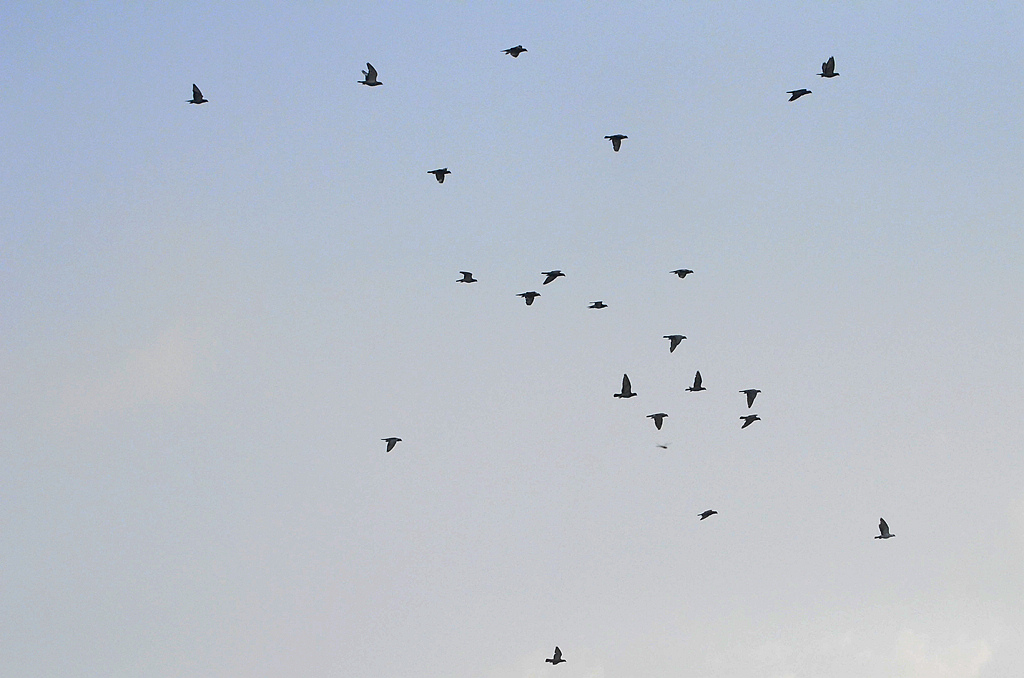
(658, 418)
(616, 140)
(197, 96)
(682, 272)
(664, 447)
(883, 530)
(550, 276)
(751, 394)
(749, 419)
(697, 381)
(439, 174)
(797, 93)
(707, 514)
(391, 443)
(828, 69)
(557, 659)
(370, 76)
(627, 389)
(598, 304)
(673, 341)
(514, 52)
(529, 296)
(467, 277)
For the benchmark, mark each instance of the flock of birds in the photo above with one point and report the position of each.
(828, 70)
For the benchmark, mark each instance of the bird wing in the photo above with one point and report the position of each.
(371, 72)
(883, 527)
(750, 398)
(626, 386)
(829, 66)
(697, 380)
(196, 94)
(558, 654)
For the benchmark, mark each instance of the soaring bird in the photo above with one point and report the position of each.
(627, 388)
(391, 443)
(557, 659)
(828, 69)
(673, 341)
(697, 381)
(467, 277)
(370, 76)
(682, 272)
(514, 52)
(658, 418)
(749, 419)
(551, 275)
(797, 93)
(616, 140)
(883, 530)
(529, 296)
(439, 174)
(707, 514)
(598, 304)
(751, 394)
(664, 447)
(197, 96)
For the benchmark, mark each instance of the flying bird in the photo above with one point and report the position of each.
(197, 96)
(749, 419)
(370, 76)
(557, 659)
(697, 381)
(550, 276)
(616, 140)
(751, 394)
(707, 514)
(627, 389)
(467, 277)
(439, 174)
(514, 52)
(883, 530)
(658, 418)
(391, 443)
(682, 272)
(598, 304)
(828, 69)
(664, 447)
(673, 341)
(529, 296)
(797, 93)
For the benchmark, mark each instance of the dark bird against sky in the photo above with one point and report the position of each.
(797, 93)
(616, 140)
(439, 174)
(707, 514)
(751, 393)
(514, 52)
(370, 76)
(391, 443)
(749, 419)
(598, 304)
(557, 659)
(550, 276)
(673, 341)
(529, 296)
(467, 277)
(697, 381)
(658, 418)
(682, 272)
(883, 530)
(627, 389)
(828, 69)
(197, 96)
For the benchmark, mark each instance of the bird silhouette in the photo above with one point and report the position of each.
(391, 443)
(627, 389)
(557, 659)
(529, 296)
(749, 419)
(658, 418)
(797, 93)
(664, 447)
(551, 275)
(598, 304)
(514, 52)
(439, 174)
(197, 96)
(370, 76)
(616, 140)
(828, 69)
(707, 514)
(682, 272)
(883, 530)
(697, 381)
(673, 341)
(467, 277)
(751, 394)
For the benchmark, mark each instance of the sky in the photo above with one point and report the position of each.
(211, 315)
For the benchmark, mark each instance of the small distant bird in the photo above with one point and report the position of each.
(598, 304)
(707, 514)
(883, 530)
(197, 96)
(370, 76)
(658, 418)
(682, 272)
(749, 419)
(828, 69)
(697, 381)
(557, 659)
(627, 389)
(514, 52)
(673, 341)
(551, 275)
(616, 140)
(467, 277)
(797, 93)
(664, 447)
(529, 296)
(439, 174)
(751, 394)
(391, 443)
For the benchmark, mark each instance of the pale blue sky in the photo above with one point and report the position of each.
(210, 315)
